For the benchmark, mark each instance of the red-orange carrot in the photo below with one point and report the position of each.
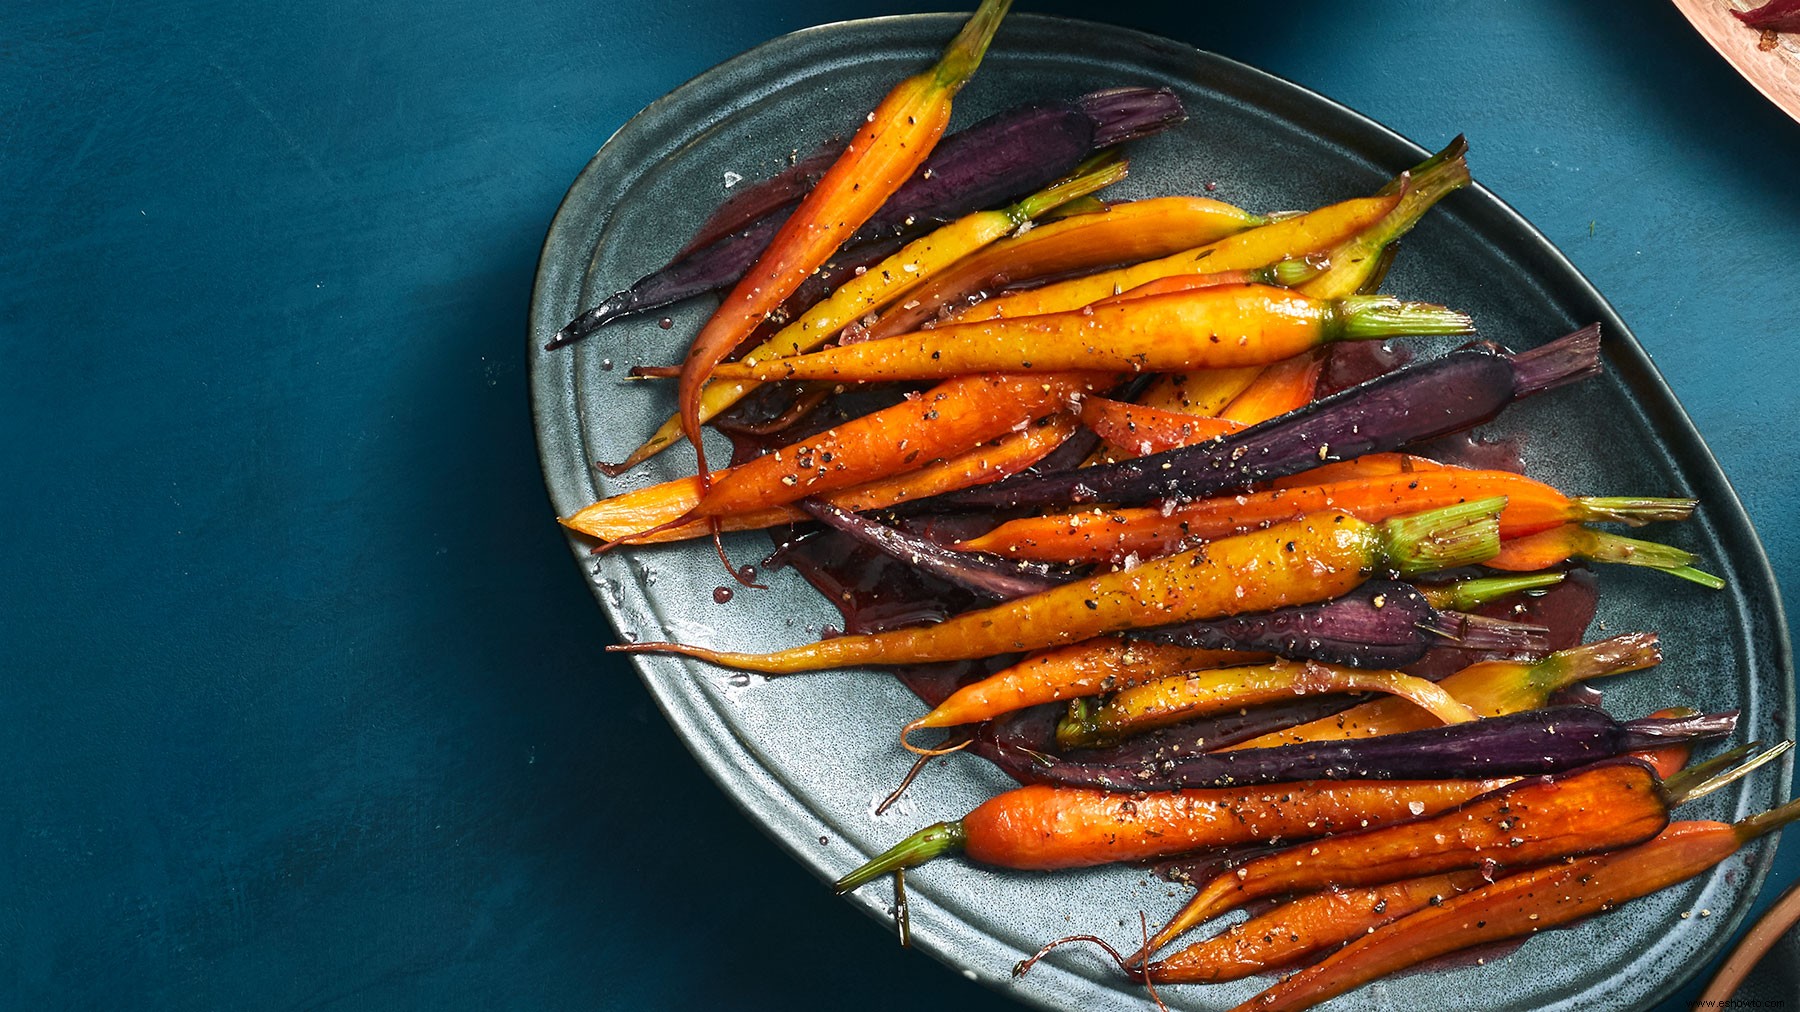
(1313, 559)
(1215, 327)
(899, 134)
(1369, 465)
(1531, 506)
(1043, 828)
(654, 507)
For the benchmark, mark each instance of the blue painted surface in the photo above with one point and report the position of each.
(303, 702)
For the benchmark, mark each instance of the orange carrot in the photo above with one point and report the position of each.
(1122, 233)
(943, 421)
(1314, 559)
(1210, 328)
(1288, 239)
(898, 136)
(1080, 669)
(1043, 828)
(1163, 701)
(1531, 506)
(655, 506)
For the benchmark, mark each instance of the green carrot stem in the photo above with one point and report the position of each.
(1629, 652)
(1627, 510)
(1096, 173)
(1469, 594)
(1077, 728)
(1767, 822)
(1689, 790)
(932, 841)
(1455, 151)
(963, 55)
(1678, 784)
(1377, 317)
(1601, 546)
(1459, 535)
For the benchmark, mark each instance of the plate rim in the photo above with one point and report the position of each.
(1491, 217)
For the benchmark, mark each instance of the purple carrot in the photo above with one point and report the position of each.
(1417, 402)
(990, 576)
(1002, 157)
(753, 201)
(1382, 624)
(1518, 744)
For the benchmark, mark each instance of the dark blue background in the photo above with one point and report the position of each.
(302, 702)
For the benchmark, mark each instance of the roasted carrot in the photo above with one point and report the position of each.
(1369, 465)
(653, 507)
(1304, 926)
(1522, 904)
(1211, 328)
(944, 421)
(1165, 701)
(1531, 506)
(1573, 541)
(899, 134)
(1122, 233)
(1489, 688)
(1043, 828)
(1079, 669)
(1594, 808)
(885, 283)
(1313, 559)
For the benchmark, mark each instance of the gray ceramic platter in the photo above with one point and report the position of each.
(810, 757)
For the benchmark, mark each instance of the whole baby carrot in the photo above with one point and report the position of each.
(1210, 328)
(899, 134)
(1169, 700)
(1079, 669)
(1521, 904)
(1043, 828)
(1126, 232)
(653, 507)
(1313, 559)
(1288, 239)
(1531, 506)
(884, 283)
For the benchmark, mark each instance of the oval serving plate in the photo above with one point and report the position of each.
(810, 756)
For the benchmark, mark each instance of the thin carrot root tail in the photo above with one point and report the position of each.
(1134, 972)
(740, 575)
(927, 753)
